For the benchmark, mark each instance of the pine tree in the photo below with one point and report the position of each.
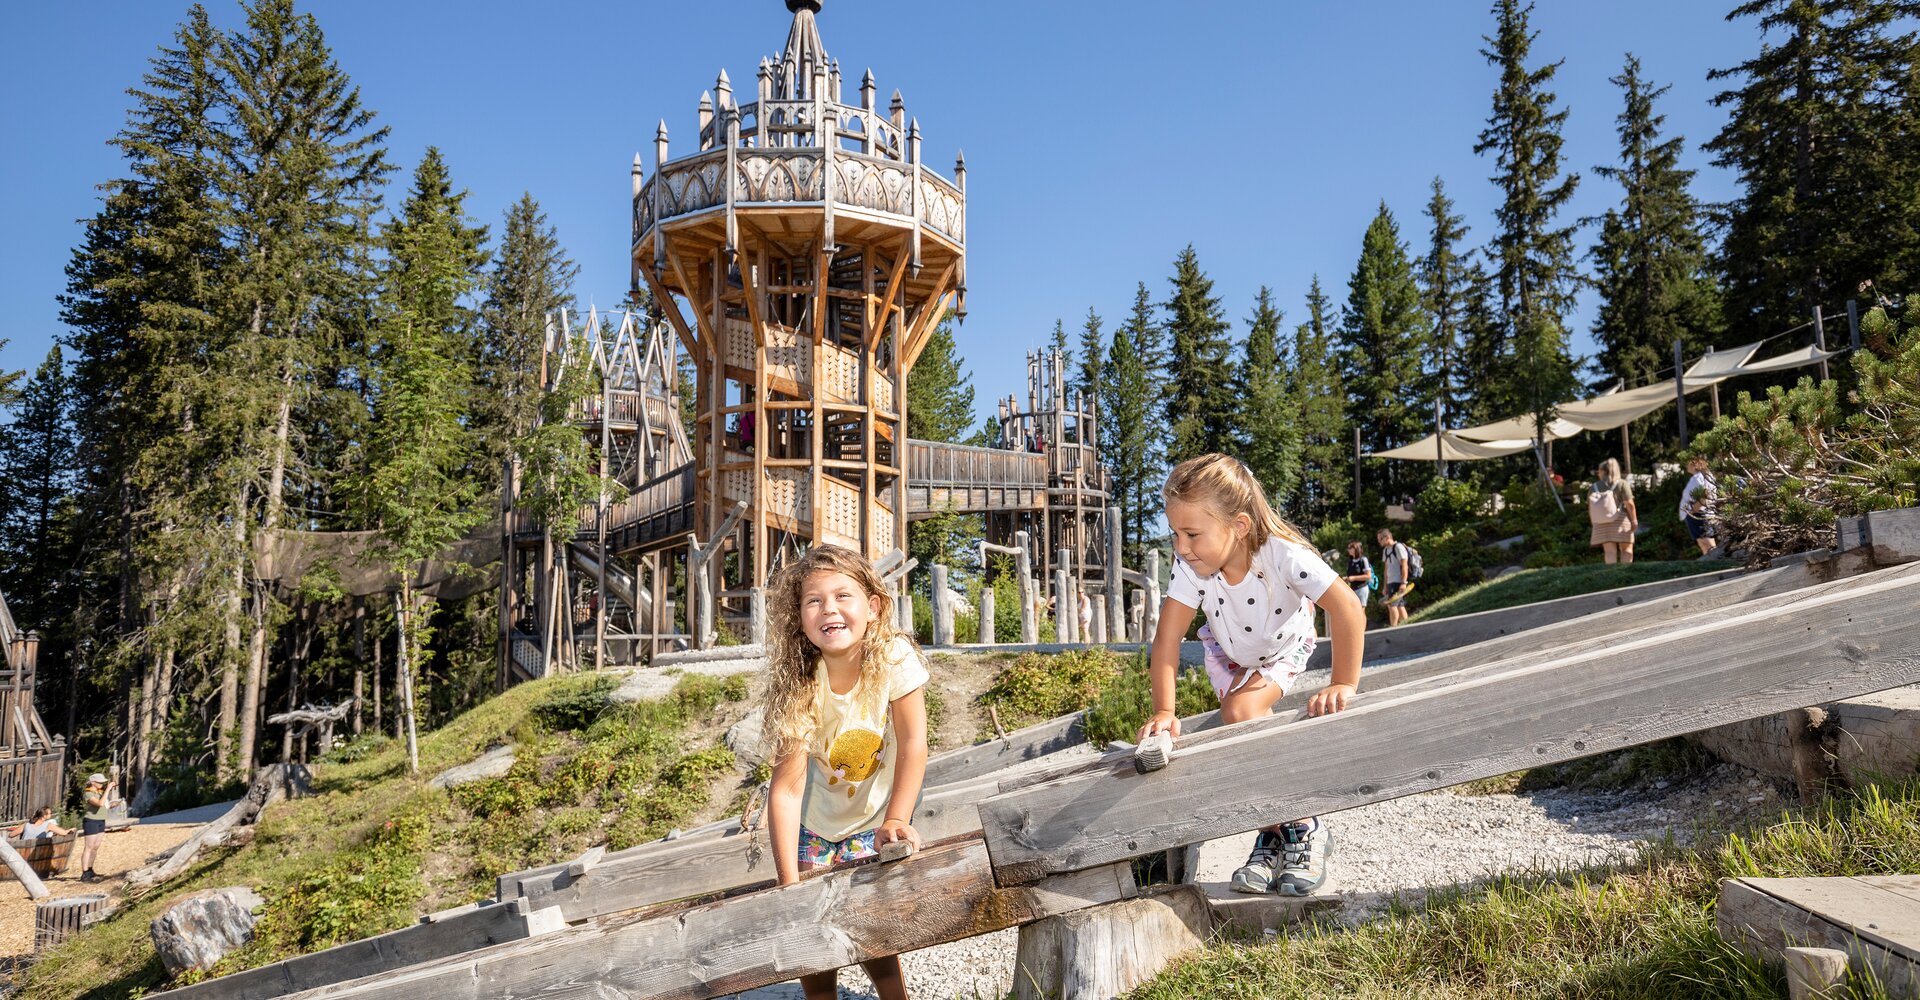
(532, 280)
(1823, 131)
(1382, 335)
(1058, 342)
(1532, 260)
(1326, 442)
(303, 170)
(1086, 379)
(1650, 260)
(1199, 404)
(1267, 421)
(1445, 287)
(7, 382)
(1130, 444)
(412, 487)
(36, 465)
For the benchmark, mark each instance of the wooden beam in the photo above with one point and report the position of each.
(700, 320)
(878, 325)
(943, 893)
(671, 310)
(1704, 671)
(1874, 920)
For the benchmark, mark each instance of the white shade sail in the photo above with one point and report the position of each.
(1717, 365)
(1453, 449)
(1792, 359)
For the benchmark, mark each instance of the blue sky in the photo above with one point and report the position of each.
(1101, 137)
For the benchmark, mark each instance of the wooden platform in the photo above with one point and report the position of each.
(1875, 919)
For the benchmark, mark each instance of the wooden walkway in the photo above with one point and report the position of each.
(1874, 920)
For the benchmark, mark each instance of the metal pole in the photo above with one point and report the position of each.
(1439, 440)
(1820, 340)
(1853, 324)
(1680, 388)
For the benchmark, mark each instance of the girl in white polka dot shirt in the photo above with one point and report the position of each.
(1258, 580)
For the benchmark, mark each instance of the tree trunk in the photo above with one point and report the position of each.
(143, 730)
(257, 651)
(404, 612)
(229, 655)
(379, 667)
(359, 663)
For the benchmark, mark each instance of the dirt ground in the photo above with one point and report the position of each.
(120, 852)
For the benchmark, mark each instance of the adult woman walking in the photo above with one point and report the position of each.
(1610, 509)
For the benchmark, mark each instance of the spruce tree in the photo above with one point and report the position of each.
(1532, 260)
(1326, 441)
(1823, 131)
(1200, 407)
(8, 381)
(1086, 378)
(1650, 261)
(412, 487)
(1382, 340)
(36, 483)
(303, 169)
(1445, 287)
(1267, 422)
(532, 281)
(1129, 445)
(1058, 342)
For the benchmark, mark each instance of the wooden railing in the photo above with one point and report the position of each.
(933, 463)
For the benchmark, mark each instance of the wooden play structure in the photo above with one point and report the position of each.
(801, 255)
(32, 763)
(1033, 826)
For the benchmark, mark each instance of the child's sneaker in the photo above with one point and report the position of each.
(1262, 865)
(1304, 848)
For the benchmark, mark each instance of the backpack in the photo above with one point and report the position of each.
(1602, 506)
(1415, 567)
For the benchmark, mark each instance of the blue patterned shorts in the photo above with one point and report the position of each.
(819, 851)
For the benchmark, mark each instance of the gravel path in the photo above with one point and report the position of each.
(1406, 847)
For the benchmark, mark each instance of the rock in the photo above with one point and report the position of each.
(201, 928)
(743, 737)
(644, 685)
(492, 764)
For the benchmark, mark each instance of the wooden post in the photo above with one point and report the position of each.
(1680, 388)
(1853, 324)
(986, 636)
(1116, 616)
(1023, 566)
(1820, 339)
(942, 608)
(1098, 623)
(1065, 611)
(1150, 618)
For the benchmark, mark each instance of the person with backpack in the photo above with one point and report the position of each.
(1359, 573)
(1610, 509)
(1402, 566)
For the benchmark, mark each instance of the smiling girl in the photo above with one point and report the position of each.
(1258, 580)
(847, 721)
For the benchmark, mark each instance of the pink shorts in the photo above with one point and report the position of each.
(1228, 676)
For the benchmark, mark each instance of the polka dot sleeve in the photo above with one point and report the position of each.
(1304, 570)
(1184, 586)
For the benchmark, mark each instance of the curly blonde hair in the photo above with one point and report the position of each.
(790, 712)
(1224, 487)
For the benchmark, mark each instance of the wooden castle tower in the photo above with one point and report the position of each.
(803, 254)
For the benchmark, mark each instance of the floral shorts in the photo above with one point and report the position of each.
(1228, 676)
(817, 850)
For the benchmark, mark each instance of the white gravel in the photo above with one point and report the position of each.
(1406, 847)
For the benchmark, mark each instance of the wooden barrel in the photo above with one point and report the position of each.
(47, 856)
(55, 920)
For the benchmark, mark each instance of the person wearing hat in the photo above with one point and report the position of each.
(94, 825)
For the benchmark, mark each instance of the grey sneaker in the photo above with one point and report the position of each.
(1262, 865)
(1304, 849)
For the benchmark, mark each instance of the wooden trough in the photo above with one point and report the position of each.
(47, 856)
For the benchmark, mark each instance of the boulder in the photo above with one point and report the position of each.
(492, 764)
(743, 737)
(201, 928)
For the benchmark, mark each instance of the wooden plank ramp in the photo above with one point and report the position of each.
(1707, 670)
(943, 893)
(1874, 919)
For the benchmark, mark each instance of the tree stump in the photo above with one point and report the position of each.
(1104, 951)
(56, 920)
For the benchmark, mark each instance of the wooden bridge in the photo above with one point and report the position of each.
(1015, 833)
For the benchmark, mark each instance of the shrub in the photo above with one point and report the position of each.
(1446, 504)
(1038, 686)
(1125, 704)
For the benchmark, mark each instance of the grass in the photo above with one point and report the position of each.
(1639, 931)
(1530, 585)
(1113, 688)
(374, 847)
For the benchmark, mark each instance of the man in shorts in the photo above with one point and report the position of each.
(1396, 576)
